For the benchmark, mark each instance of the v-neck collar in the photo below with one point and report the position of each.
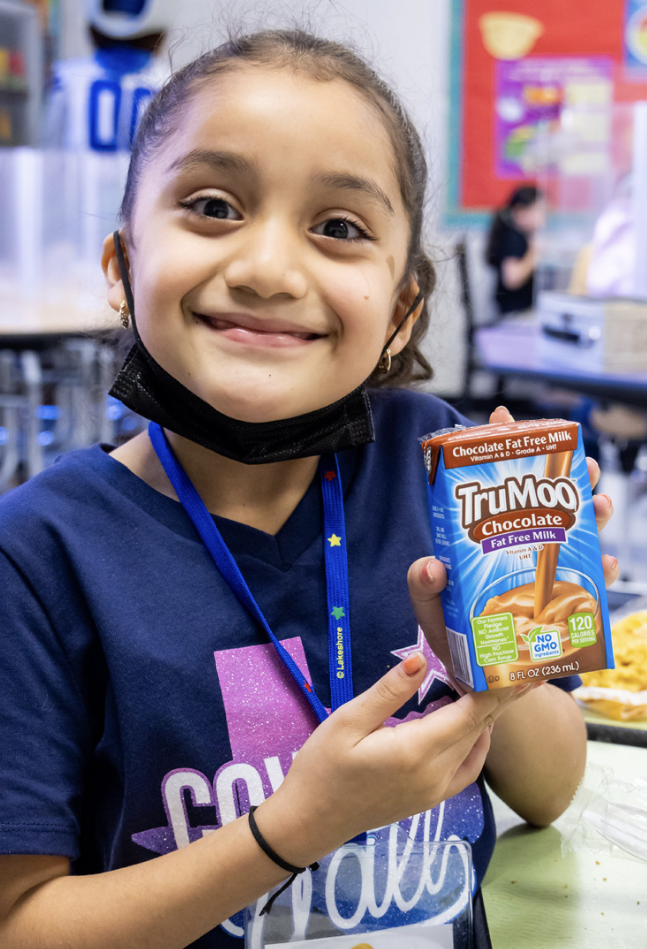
(285, 547)
(302, 528)
(281, 550)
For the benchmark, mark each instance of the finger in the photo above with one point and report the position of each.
(610, 568)
(501, 416)
(426, 579)
(455, 728)
(488, 707)
(594, 471)
(471, 766)
(603, 507)
(370, 710)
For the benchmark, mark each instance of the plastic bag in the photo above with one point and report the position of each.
(606, 813)
(392, 892)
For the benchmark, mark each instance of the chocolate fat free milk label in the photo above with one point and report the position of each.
(513, 522)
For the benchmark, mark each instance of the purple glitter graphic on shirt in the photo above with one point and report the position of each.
(264, 708)
(268, 720)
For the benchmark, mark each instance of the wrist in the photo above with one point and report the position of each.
(290, 837)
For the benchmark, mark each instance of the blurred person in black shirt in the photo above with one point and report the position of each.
(510, 248)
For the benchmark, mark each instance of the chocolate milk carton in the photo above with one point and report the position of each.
(512, 520)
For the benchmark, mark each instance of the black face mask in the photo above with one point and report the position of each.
(149, 390)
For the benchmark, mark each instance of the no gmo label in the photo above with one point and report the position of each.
(545, 645)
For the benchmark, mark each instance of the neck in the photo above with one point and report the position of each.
(262, 496)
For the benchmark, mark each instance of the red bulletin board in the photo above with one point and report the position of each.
(595, 29)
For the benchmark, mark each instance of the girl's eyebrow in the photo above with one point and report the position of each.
(355, 183)
(227, 161)
(231, 161)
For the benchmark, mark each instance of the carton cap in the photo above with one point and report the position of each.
(498, 442)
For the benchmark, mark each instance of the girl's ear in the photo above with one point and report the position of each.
(110, 269)
(406, 299)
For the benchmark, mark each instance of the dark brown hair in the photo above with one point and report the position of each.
(323, 61)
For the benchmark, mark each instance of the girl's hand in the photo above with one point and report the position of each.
(354, 773)
(602, 504)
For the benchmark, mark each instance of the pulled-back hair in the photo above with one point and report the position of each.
(321, 60)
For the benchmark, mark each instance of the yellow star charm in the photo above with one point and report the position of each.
(334, 541)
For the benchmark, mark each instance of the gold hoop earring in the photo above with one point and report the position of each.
(384, 365)
(123, 314)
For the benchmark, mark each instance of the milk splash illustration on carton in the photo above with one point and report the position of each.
(513, 522)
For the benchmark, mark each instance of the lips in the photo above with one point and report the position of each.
(246, 329)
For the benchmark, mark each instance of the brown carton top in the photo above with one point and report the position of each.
(489, 443)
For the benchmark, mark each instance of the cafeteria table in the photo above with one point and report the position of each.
(56, 360)
(537, 898)
(512, 349)
(35, 324)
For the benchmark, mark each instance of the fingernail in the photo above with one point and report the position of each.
(413, 664)
(607, 499)
(614, 563)
(428, 571)
(489, 729)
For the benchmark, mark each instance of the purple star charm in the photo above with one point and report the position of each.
(435, 668)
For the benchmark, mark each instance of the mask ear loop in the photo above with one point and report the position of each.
(414, 306)
(125, 279)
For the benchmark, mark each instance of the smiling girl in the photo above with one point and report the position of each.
(179, 614)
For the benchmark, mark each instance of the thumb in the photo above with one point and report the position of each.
(370, 710)
(501, 416)
(426, 579)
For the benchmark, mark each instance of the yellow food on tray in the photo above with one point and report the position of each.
(621, 693)
(630, 651)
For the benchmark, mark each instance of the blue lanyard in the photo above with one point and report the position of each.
(335, 559)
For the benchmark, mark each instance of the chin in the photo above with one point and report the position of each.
(265, 403)
(253, 410)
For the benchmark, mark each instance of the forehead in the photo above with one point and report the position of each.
(279, 115)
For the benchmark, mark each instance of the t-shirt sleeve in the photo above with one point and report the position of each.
(567, 683)
(44, 733)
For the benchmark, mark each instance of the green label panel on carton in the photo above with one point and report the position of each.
(495, 639)
(581, 629)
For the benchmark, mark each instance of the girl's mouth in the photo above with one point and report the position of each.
(252, 331)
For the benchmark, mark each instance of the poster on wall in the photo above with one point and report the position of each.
(514, 65)
(530, 95)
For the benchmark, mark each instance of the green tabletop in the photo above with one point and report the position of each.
(535, 898)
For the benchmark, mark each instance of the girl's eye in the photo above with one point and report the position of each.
(215, 208)
(341, 229)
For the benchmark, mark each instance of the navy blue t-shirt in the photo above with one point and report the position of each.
(140, 707)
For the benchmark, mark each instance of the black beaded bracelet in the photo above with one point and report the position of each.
(283, 864)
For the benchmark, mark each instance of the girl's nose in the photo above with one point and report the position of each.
(267, 262)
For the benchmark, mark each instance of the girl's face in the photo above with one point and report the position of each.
(530, 219)
(268, 243)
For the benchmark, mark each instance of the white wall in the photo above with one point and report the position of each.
(408, 44)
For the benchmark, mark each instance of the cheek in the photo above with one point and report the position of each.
(363, 300)
(162, 278)
(167, 274)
